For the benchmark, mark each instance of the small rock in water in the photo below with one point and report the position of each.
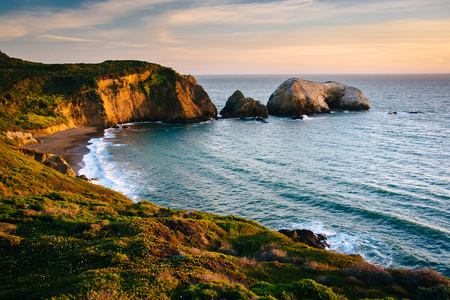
(83, 177)
(306, 237)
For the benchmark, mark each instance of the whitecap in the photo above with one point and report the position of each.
(372, 249)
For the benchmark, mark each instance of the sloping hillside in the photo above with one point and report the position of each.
(64, 238)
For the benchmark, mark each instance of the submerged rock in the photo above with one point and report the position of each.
(296, 97)
(306, 237)
(238, 106)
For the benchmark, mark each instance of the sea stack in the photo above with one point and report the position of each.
(238, 106)
(296, 97)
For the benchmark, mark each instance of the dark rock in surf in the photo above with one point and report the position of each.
(259, 119)
(306, 237)
(238, 106)
(296, 97)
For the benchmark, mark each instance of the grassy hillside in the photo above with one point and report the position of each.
(32, 93)
(64, 238)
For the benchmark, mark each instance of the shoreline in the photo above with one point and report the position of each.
(71, 144)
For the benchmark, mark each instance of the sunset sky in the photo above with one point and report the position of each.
(235, 36)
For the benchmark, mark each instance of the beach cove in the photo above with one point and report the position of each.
(172, 176)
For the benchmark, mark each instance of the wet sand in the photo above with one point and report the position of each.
(71, 144)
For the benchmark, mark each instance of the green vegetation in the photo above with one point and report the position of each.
(64, 238)
(32, 94)
(161, 85)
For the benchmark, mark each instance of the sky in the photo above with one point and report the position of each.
(234, 36)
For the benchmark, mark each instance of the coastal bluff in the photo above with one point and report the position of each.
(46, 98)
(296, 97)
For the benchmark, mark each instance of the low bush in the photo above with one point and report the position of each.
(434, 293)
(304, 289)
(273, 253)
(369, 274)
(215, 290)
(424, 278)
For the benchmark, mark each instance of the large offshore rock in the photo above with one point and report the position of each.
(238, 106)
(296, 97)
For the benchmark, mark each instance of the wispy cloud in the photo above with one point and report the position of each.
(88, 15)
(67, 39)
(80, 40)
(280, 12)
(241, 33)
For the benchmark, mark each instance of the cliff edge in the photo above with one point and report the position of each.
(45, 98)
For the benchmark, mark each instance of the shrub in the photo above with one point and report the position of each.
(8, 240)
(434, 293)
(370, 274)
(216, 290)
(273, 253)
(226, 248)
(425, 278)
(7, 228)
(304, 289)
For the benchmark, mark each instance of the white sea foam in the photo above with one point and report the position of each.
(99, 164)
(372, 249)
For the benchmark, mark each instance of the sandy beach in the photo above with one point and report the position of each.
(71, 144)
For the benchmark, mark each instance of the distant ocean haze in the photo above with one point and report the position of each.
(376, 183)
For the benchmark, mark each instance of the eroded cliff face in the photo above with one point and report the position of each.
(121, 101)
(45, 98)
(137, 97)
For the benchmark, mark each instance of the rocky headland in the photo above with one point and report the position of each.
(296, 97)
(46, 98)
(239, 106)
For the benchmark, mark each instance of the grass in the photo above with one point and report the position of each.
(64, 238)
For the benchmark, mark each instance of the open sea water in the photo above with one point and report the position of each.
(374, 183)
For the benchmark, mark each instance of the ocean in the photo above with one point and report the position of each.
(375, 183)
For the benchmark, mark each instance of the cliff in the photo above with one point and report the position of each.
(44, 98)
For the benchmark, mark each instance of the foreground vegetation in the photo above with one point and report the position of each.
(64, 238)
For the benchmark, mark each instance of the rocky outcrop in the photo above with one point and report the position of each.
(55, 162)
(296, 97)
(306, 237)
(22, 138)
(177, 99)
(46, 98)
(238, 106)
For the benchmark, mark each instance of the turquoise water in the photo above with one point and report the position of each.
(375, 183)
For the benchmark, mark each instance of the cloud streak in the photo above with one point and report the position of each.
(216, 36)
